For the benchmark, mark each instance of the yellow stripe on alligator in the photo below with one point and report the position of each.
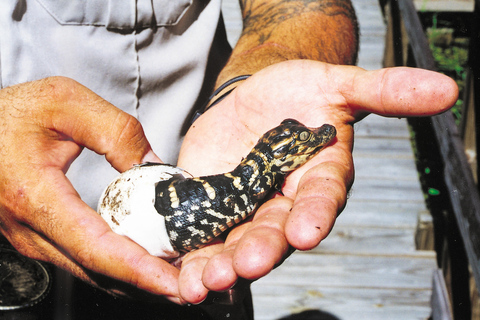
(173, 197)
(236, 181)
(209, 189)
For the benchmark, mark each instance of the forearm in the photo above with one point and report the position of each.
(280, 30)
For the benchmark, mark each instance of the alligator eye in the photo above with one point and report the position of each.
(304, 135)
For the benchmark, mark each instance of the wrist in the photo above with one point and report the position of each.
(219, 94)
(246, 59)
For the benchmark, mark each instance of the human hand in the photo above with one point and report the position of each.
(313, 93)
(44, 125)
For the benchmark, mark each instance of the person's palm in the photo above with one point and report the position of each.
(313, 93)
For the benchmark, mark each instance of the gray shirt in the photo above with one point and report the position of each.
(148, 57)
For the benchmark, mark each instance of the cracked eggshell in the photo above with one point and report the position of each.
(127, 205)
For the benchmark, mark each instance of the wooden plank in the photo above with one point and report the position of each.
(441, 308)
(371, 24)
(376, 126)
(386, 214)
(388, 168)
(372, 29)
(425, 233)
(474, 96)
(232, 16)
(344, 303)
(416, 36)
(379, 189)
(365, 241)
(366, 61)
(444, 5)
(382, 148)
(467, 127)
(348, 286)
(332, 270)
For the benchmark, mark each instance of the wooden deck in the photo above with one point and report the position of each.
(368, 268)
(444, 5)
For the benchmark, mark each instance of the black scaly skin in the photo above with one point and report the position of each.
(198, 210)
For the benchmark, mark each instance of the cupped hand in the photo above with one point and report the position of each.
(313, 93)
(44, 126)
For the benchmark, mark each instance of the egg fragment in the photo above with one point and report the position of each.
(127, 205)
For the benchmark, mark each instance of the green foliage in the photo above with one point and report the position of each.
(451, 59)
(451, 56)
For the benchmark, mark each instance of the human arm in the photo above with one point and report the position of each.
(279, 30)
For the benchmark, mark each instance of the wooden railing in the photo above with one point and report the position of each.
(408, 45)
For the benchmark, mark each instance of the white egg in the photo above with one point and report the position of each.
(127, 205)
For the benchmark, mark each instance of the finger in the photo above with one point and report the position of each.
(191, 286)
(219, 273)
(94, 123)
(86, 239)
(107, 253)
(398, 91)
(321, 194)
(264, 244)
(31, 244)
(129, 282)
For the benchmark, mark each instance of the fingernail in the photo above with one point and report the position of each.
(150, 156)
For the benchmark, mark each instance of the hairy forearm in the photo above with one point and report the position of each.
(279, 30)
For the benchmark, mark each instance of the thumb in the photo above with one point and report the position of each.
(400, 91)
(96, 124)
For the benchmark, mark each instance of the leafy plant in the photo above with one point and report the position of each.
(451, 56)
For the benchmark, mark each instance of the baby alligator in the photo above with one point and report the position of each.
(197, 210)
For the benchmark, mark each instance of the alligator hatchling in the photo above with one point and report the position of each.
(169, 213)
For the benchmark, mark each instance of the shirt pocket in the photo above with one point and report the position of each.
(113, 14)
